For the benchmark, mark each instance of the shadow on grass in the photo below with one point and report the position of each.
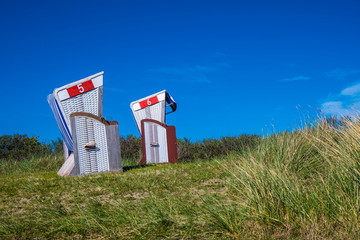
(128, 168)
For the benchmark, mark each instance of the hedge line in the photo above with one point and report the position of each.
(21, 147)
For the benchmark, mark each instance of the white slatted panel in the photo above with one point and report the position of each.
(102, 156)
(162, 140)
(156, 134)
(86, 102)
(91, 160)
(156, 112)
(82, 139)
(147, 126)
(91, 138)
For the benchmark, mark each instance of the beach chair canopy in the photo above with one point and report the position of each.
(85, 95)
(152, 107)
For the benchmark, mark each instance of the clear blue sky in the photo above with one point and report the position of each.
(233, 67)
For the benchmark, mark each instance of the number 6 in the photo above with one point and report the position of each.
(81, 88)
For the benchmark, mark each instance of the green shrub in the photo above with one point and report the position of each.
(56, 145)
(210, 148)
(19, 147)
(130, 147)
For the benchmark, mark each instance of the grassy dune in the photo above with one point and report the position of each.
(299, 185)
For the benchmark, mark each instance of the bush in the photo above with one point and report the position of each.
(130, 147)
(210, 148)
(56, 145)
(19, 147)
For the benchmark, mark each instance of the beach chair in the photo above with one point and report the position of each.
(83, 96)
(158, 139)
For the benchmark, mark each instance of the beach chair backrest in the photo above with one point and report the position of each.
(85, 95)
(152, 107)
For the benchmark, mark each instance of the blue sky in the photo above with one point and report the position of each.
(233, 67)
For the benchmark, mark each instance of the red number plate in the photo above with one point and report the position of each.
(149, 102)
(80, 88)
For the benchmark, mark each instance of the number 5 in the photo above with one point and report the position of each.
(81, 88)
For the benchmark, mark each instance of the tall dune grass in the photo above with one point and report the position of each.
(302, 184)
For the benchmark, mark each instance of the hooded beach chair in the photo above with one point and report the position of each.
(158, 139)
(83, 96)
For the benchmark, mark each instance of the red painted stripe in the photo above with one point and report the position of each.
(80, 88)
(148, 102)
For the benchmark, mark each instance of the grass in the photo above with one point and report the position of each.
(36, 164)
(151, 202)
(293, 185)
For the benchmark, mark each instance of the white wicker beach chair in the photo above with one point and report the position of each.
(85, 97)
(158, 139)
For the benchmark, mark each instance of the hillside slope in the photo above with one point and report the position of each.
(298, 185)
